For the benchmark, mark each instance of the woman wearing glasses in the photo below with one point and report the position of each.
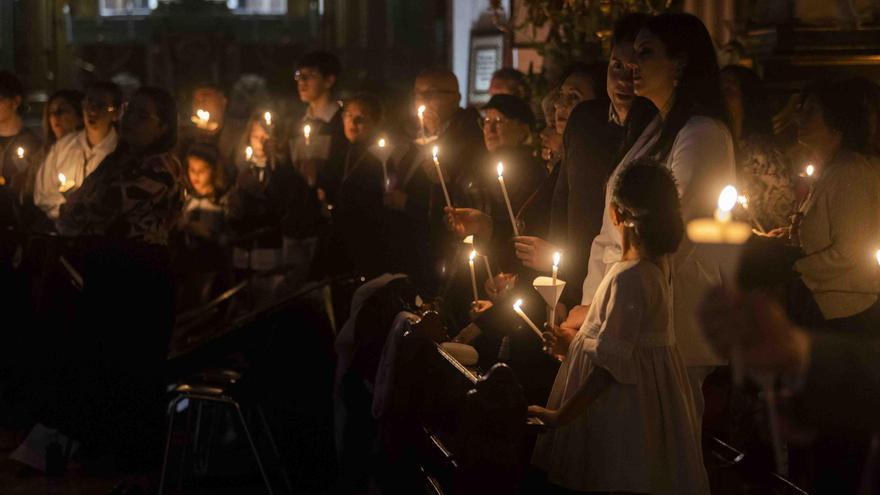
(78, 154)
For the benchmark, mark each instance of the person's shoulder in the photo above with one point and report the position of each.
(856, 167)
(702, 125)
(67, 141)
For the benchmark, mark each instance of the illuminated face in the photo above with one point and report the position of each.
(201, 175)
(440, 97)
(500, 131)
(257, 140)
(620, 79)
(654, 71)
(312, 85)
(99, 111)
(209, 100)
(575, 89)
(357, 123)
(62, 117)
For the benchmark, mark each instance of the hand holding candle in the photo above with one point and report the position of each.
(64, 184)
(500, 170)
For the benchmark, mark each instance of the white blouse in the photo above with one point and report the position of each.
(702, 161)
(72, 156)
(840, 232)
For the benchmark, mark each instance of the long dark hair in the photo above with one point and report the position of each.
(73, 98)
(698, 90)
(647, 201)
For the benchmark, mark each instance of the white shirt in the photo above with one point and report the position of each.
(72, 156)
(702, 161)
(839, 234)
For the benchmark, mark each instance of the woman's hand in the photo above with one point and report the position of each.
(468, 221)
(394, 200)
(778, 233)
(550, 417)
(575, 318)
(500, 285)
(478, 308)
(534, 252)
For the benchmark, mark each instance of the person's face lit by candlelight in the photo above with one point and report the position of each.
(654, 71)
(358, 123)
(210, 100)
(201, 175)
(63, 117)
(311, 85)
(500, 131)
(577, 88)
(141, 125)
(812, 129)
(439, 93)
(257, 141)
(620, 79)
(9, 107)
(99, 111)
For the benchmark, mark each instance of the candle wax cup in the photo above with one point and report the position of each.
(548, 291)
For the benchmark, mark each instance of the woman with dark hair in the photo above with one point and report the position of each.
(110, 394)
(675, 69)
(763, 169)
(61, 115)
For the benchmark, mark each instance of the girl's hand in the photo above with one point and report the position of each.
(478, 308)
(500, 285)
(560, 341)
(468, 221)
(534, 252)
(550, 417)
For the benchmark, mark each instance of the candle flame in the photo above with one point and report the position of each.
(203, 115)
(472, 255)
(810, 170)
(268, 118)
(727, 199)
(382, 143)
(249, 152)
(500, 169)
(421, 111)
(20, 152)
(557, 256)
(469, 240)
(62, 179)
(517, 306)
(434, 152)
(743, 200)
(307, 130)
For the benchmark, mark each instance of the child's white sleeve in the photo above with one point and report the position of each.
(620, 328)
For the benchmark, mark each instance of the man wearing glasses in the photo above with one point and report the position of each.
(76, 155)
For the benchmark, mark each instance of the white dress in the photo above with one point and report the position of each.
(640, 435)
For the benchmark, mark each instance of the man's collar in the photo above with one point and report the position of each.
(325, 115)
(612, 115)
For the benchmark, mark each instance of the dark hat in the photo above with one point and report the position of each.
(512, 108)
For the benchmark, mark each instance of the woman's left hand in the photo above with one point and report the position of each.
(550, 417)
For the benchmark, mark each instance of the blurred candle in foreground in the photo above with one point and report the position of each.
(500, 169)
(307, 131)
(248, 153)
(268, 118)
(20, 152)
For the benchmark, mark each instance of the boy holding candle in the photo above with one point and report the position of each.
(18, 149)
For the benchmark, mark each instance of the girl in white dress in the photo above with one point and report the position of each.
(621, 401)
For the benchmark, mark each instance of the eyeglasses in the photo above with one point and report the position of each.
(90, 105)
(492, 122)
(305, 76)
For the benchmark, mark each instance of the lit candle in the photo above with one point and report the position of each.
(387, 183)
(473, 275)
(517, 306)
(556, 258)
(809, 171)
(307, 131)
(743, 201)
(268, 118)
(435, 155)
(877, 255)
(249, 153)
(201, 118)
(64, 184)
(720, 229)
(500, 169)
(421, 113)
(20, 152)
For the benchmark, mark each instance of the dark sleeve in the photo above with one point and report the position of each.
(842, 387)
(559, 207)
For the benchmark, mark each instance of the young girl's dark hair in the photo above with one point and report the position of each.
(209, 154)
(647, 201)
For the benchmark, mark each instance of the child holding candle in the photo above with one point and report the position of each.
(621, 401)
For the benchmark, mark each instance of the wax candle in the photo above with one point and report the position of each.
(268, 118)
(201, 119)
(20, 152)
(557, 256)
(421, 114)
(435, 155)
(517, 306)
(307, 131)
(877, 255)
(385, 180)
(720, 229)
(500, 169)
(248, 153)
(743, 201)
(473, 275)
(64, 185)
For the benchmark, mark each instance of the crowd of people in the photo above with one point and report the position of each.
(150, 211)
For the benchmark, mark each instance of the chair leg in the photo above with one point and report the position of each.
(172, 409)
(250, 439)
(274, 447)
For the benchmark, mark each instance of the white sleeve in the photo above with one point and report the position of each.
(46, 194)
(702, 162)
(597, 265)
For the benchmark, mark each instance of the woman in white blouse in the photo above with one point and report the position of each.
(676, 70)
(78, 154)
(839, 229)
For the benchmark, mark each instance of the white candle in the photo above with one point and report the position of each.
(268, 118)
(743, 201)
(810, 170)
(488, 268)
(473, 275)
(557, 256)
(500, 169)
(517, 306)
(307, 131)
(720, 229)
(64, 184)
(386, 182)
(202, 118)
(435, 154)
(20, 152)
(249, 153)
(421, 113)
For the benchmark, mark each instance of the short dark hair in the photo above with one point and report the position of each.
(324, 62)
(166, 110)
(845, 109)
(108, 87)
(627, 27)
(596, 72)
(209, 154)
(371, 103)
(647, 200)
(10, 85)
(516, 78)
(74, 99)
